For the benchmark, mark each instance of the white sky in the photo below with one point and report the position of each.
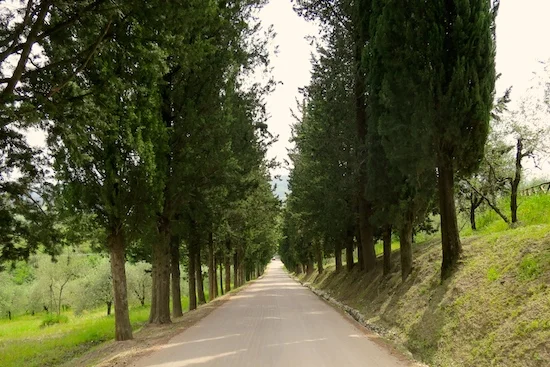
(291, 66)
(523, 29)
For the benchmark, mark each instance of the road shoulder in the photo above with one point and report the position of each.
(148, 339)
(356, 319)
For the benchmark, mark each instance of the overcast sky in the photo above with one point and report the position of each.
(522, 42)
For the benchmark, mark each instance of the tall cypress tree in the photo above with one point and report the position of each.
(400, 197)
(205, 54)
(437, 83)
(102, 140)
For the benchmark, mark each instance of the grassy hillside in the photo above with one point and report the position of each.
(495, 310)
(23, 342)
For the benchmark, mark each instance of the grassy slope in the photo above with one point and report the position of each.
(495, 310)
(24, 343)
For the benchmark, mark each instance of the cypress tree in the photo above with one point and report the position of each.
(436, 62)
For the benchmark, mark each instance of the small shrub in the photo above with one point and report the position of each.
(529, 268)
(52, 319)
(493, 274)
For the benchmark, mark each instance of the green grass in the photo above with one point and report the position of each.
(52, 319)
(531, 210)
(379, 247)
(24, 343)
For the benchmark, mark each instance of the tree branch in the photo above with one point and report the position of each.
(53, 29)
(83, 66)
(494, 207)
(31, 39)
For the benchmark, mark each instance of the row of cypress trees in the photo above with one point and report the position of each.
(398, 109)
(152, 134)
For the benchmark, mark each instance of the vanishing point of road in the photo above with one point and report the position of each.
(273, 322)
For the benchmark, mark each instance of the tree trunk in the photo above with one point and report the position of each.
(236, 283)
(450, 240)
(228, 265)
(405, 241)
(212, 288)
(386, 239)
(338, 255)
(242, 268)
(360, 256)
(221, 277)
(60, 299)
(319, 256)
(298, 269)
(216, 291)
(365, 209)
(177, 310)
(161, 269)
(109, 304)
(160, 300)
(472, 213)
(516, 181)
(490, 203)
(123, 328)
(309, 266)
(367, 236)
(198, 269)
(191, 275)
(349, 250)
(475, 202)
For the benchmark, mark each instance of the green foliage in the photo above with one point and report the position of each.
(529, 268)
(23, 342)
(532, 210)
(51, 290)
(493, 274)
(12, 295)
(29, 29)
(431, 74)
(153, 131)
(320, 208)
(98, 286)
(52, 319)
(78, 281)
(139, 282)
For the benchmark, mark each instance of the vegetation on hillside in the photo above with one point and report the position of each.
(493, 311)
(24, 342)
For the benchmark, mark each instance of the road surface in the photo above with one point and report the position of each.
(273, 322)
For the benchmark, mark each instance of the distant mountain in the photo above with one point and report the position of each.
(280, 186)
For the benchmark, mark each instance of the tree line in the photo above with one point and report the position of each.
(399, 123)
(40, 285)
(155, 141)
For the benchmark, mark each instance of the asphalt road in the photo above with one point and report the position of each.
(273, 322)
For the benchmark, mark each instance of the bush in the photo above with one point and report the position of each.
(529, 268)
(52, 319)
